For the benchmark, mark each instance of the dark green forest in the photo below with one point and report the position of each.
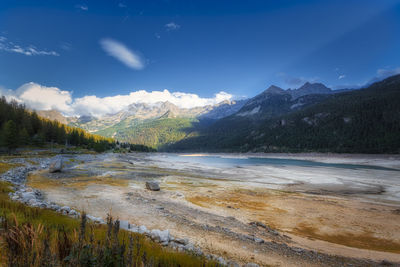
(21, 127)
(359, 121)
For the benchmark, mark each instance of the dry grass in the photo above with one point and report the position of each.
(7, 166)
(39, 237)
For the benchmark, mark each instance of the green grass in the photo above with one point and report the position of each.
(41, 237)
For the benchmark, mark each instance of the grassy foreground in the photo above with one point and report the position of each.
(39, 237)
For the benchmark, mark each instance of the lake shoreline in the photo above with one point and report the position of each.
(203, 206)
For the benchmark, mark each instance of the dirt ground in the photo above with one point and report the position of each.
(294, 228)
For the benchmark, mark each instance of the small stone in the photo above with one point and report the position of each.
(143, 229)
(56, 165)
(72, 212)
(258, 240)
(250, 264)
(183, 241)
(160, 236)
(221, 261)
(66, 209)
(153, 186)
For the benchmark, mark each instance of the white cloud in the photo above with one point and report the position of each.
(122, 53)
(82, 7)
(172, 26)
(40, 97)
(341, 76)
(31, 50)
(121, 5)
(97, 106)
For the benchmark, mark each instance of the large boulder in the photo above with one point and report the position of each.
(153, 186)
(56, 165)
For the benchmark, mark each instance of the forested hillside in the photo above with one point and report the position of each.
(363, 121)
(20, 127)
(153, 133)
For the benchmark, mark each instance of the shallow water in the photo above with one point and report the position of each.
(371, 178)
(232, 161)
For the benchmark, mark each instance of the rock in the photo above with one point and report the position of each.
(54, 207)
(258, 240)
(143, 229)
(250, 264)
(153, 186)
(221, 261)
(160, 236)
(65, 208)
(232, 264)
(56, 165)
(386, 263)
(260, 224)
(26, 196)
(72, 212)
(182, 241)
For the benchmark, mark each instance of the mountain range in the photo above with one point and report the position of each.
(312, 117)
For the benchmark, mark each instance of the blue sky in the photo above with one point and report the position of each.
(105, 48)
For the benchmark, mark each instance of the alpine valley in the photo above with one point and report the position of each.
(310, 118)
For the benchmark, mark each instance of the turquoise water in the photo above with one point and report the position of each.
(215, 160)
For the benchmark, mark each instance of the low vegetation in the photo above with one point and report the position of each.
(39, 237)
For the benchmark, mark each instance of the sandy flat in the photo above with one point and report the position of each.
(213, 207)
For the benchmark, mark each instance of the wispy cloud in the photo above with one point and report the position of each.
(82, 7)
(341, 76)
(65, 46)
(30, 50)
(121, 5)
(384, 73)
(380, 75)
(172, 26)
(122, 53)
(295, 81)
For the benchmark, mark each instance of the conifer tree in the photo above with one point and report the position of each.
(24, 138)
(10, 135)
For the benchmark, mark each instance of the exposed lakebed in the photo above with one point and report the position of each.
(341, 205)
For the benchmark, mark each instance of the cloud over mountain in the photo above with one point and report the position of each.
(40, 97)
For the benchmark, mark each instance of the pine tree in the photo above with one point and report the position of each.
(24, 138)
(10, 135)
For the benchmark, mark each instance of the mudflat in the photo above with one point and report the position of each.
(281, 209)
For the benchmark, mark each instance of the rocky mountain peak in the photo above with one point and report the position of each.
(274, 90)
